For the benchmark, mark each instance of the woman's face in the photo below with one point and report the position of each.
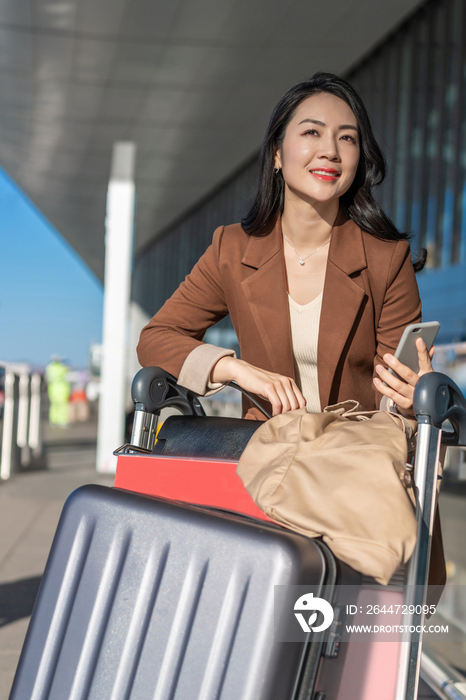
(320, 152)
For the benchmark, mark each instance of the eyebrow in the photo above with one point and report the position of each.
(316, 121)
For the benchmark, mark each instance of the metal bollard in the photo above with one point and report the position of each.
(10, 459)
(35, 423)
(23, 419)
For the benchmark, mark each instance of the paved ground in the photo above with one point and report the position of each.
(30, 506)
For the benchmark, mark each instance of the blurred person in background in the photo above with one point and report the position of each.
(58, 389)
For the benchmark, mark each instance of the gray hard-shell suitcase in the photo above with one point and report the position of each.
(144, 598)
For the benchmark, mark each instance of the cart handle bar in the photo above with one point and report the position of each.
(438, 399)
(153, 389)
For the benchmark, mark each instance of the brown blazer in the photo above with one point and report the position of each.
(370, 295)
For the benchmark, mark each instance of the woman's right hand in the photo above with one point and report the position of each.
(282, 392)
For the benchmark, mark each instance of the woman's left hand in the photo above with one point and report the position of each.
(402, 392)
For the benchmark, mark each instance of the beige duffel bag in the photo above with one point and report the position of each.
(342, 475)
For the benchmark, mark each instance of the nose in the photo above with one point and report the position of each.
(329, 148)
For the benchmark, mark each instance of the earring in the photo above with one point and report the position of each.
(276, 170)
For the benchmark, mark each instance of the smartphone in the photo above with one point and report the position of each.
(406, 351)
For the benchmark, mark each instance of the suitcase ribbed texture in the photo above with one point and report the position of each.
(147, 599)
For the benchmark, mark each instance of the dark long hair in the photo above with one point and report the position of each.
(358, 202)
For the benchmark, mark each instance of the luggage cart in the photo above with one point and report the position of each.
(163, 586)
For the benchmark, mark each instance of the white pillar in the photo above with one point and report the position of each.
(117, 288)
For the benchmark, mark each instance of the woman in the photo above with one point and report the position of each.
(317, 280)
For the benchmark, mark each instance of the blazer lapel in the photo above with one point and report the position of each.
(342, 301)
(265, 290)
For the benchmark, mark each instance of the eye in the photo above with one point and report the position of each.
(312, 132)
(349, 138)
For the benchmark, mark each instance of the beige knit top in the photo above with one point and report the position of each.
(304, 333)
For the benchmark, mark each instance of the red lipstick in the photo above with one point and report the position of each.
(327, 174)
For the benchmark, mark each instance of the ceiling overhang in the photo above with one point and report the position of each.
(191, 82)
